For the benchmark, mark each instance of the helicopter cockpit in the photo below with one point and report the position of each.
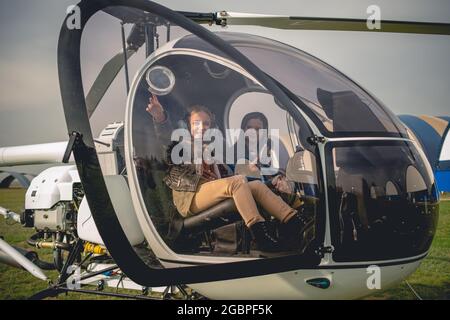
(180, 78)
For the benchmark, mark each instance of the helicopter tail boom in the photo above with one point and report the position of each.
(33, 154)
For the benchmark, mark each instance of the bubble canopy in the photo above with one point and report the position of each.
(229, 93)
(331, 105)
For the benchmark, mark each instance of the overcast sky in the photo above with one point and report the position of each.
(409, 73)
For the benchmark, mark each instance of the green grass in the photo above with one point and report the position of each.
(431, 280)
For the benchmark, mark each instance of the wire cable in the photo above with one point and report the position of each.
(413, 291)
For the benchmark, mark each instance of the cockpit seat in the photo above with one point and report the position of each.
(221, 214)
(217, 216)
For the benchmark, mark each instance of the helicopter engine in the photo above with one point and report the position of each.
(52, 199)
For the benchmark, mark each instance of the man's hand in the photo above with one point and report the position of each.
(281, 184)
(253, 168)
(156, 110)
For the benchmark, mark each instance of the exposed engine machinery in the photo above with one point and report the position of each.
(54, 198)
(51, 207)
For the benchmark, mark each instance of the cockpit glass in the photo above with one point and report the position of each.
(339, 104)
(247, 136)
(384, 203)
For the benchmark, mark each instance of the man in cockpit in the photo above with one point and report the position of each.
(251, 166)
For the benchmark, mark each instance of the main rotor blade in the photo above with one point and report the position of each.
(128, 15)
(337, 24)
(131, 15)
(104, 80)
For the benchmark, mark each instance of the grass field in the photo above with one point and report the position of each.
(431, 280)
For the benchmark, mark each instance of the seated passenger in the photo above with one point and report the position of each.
(195, 191)
(252, 167)
(248, 163)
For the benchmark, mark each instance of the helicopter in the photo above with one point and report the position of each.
(357, 169)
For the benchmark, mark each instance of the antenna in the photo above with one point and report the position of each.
(125, 57)
(149, 38)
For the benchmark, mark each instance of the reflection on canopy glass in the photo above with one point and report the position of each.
(335, 102)
(384, 203)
